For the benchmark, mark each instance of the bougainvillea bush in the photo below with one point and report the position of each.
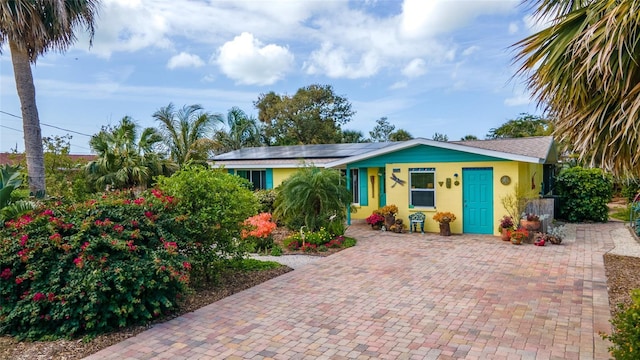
(70, 270)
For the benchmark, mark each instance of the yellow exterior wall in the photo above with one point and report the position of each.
(449, 199)
(279, 175)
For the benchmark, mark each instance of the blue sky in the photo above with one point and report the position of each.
(429, 66)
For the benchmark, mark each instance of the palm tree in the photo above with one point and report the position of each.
(185, 132)
(124, 160)
(243, 132)
(585, 69)
(33, 27)
(312, 197)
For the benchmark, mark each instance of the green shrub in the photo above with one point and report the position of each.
(212, 207)
(276, 251)
(348, 242)
(626, 333)
(584, 194)
(89, 268)
(630, 189)
(266, 199)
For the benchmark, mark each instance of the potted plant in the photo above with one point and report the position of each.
(506, 226)
(389, 212)
(530, 222)
(518, 236)
(376, 220)
(444, 219)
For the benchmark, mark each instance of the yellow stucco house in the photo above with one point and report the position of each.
(467, 178)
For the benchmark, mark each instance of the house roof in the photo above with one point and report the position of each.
(537, 150)
(300, 151)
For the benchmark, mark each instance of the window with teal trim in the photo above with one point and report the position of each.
(257, 177)
(422, 187)
(355, 185)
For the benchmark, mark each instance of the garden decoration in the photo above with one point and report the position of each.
(444, 219)
(397, 180)
(540, 239)
(416, 219)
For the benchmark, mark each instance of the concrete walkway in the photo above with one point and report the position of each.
(408, 296)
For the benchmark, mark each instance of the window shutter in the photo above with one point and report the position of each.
(364, 187)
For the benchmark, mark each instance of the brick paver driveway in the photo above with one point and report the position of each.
(415, 296)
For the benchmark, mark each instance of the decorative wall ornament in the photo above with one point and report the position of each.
(397, 180)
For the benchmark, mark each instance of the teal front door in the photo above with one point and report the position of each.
(477, 197)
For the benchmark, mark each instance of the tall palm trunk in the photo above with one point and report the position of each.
(30, 119)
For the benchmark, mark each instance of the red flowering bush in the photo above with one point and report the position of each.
(89, 268)
(375, 219)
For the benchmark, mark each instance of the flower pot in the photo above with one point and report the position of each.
(516, 240)
(376, 226)
(505, 235)
(445, 229)
(530, 225)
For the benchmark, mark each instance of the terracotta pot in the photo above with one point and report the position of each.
(530, 225)
(505, 236)
(376, 227)
(516, 240)
(445, 229)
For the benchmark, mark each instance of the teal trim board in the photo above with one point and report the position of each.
(423, 154)
(269, 179)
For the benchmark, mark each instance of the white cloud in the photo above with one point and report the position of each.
(338, 62)
(246, 60)
(518, 99)
(184, 60)
(513, 28)
(415, 68)
(421, 18)
(399, 85)
(470, 50)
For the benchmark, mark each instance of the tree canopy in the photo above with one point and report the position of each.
(524, 125)
(187, 132)
(126, 158)
(314, 115)
(243, 132)
(584, 68)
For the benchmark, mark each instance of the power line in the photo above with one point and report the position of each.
(53, 126)
(10, 128)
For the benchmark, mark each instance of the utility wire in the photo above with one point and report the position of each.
(53, 126)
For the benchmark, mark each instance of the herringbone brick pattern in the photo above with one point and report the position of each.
(407, 296)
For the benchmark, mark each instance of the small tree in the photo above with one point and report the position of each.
(212, 205)
(312, 197)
